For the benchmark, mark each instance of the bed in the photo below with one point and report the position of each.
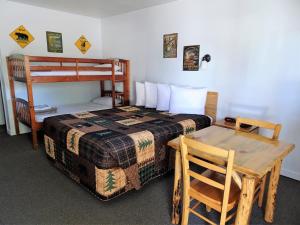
(32, 70)
(113, 151)
(110, 152)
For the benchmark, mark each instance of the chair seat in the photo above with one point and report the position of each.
(212, 196)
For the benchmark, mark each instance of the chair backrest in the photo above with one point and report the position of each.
(259, 123)
(195, 151)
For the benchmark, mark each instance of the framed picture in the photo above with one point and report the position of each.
(191, 58)
(170, 45)
(54, 42)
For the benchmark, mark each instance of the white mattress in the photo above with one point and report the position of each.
(71, 109)
(73, 73)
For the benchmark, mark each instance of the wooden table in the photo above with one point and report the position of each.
(255, 156)
(223, 123)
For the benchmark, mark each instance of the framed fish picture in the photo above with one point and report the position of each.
(54, 42)
(170, 45)
(191, 58)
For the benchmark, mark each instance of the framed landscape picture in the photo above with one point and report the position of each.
(170, 45)
(191, 58)
(54, 42)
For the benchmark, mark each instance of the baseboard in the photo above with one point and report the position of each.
(290, 174)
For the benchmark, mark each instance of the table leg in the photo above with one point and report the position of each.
(262, 191)
(271, 198)
(177, 189)
(246, 201)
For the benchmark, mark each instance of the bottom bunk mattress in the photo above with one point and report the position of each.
(113, 151)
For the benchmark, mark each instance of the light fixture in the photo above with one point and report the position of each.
(205, 60)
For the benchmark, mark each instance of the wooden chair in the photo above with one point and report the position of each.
(214, 187)
(259, 192)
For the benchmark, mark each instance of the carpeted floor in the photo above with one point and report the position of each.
(32, 191)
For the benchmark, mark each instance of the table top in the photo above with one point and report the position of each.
(255, 155)
(223, 123)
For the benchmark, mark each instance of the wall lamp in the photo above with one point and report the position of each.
(205, 60)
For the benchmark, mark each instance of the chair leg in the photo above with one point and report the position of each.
(35, 140)
(208, 209)
(262, 191)
(185, 211)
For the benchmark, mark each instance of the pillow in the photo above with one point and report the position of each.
(117, 68)
(140, 94)
(106, 100)
(163, 97)
(188, 100)
(151, 95)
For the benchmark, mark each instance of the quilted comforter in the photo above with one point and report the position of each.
(113, 151)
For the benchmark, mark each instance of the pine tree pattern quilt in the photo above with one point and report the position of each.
(113, 151)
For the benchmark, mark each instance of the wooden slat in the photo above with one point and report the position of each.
(206, 148)
(254, 122)
(53, 79)
(202, 217)
(230, 216)
(206, 180)
(68, 68)
(211, 104)
(23, 80)
(68, 60)
(206, 164)
(237, 179)
(113, 86)
(227, 187)
(259, 123)
(127, 83)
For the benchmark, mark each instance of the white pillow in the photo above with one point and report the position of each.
(188, 100)
(151, 95)
(140, 94)
(163, 97)
(117, 68)
(106, 100)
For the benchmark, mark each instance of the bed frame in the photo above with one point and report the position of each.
(20, 68)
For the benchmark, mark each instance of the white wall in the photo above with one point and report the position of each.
(255, 55)
(38, 21)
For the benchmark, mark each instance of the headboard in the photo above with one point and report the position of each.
(211, 105)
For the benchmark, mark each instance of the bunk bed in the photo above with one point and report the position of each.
(36, 69)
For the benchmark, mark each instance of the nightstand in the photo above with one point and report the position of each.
(223, 123)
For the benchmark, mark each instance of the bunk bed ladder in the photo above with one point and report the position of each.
(124, 95)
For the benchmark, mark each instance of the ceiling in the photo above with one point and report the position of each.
(94, 8)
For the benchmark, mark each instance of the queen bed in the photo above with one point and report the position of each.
(116, 150)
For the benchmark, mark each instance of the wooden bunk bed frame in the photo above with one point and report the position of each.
(20, 68)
